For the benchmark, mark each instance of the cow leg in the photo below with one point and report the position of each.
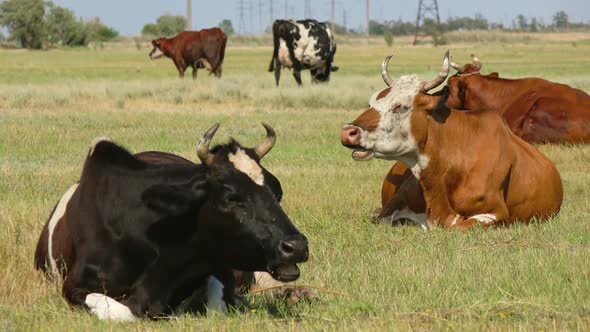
(297, 75)
(195, 68)
(77, 289)
(277, 71)
(180, 65)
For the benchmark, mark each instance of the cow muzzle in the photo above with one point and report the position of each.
(156, 53)
(290, 252)
(350, 137)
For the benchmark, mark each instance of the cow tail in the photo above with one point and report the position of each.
(275, 51)
(221, 55)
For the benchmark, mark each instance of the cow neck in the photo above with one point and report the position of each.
(492, 93)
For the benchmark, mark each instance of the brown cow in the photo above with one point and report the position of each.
(196, 49)
(536, 110)
(470, 167)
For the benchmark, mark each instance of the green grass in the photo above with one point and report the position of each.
(52, 104)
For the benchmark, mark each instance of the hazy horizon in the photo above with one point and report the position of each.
(128, 17)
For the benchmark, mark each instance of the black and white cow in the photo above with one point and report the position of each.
(304, 44)
(147, 234)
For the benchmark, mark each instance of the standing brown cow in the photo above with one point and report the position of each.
(470, 167)
(196, 49)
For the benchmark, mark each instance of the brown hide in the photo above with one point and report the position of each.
(196, 49)
(477, 166)
(536, 110)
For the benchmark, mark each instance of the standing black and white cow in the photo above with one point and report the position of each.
(140, 235)
(304, 44)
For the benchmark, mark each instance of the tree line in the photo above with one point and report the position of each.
(39, 24)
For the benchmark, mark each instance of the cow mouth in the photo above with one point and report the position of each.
(285, 272)
(362, 154)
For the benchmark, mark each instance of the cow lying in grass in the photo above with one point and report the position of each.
(144, 235)
(468, 167)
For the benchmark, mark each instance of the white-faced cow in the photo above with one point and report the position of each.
(470, 168)
(304, 44)
(144, 235)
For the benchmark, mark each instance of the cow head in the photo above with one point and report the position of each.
(389, 129)
(460, 96)
(157, 51)
(239, 217)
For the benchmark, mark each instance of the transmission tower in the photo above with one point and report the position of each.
(242, 21)
(426, 7)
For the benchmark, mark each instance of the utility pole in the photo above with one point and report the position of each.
(271, 14)
(251, 13)
(368, 22)
(333, 17)
(260, 26)
(344, 19)
(307, 10)
(425, 7)
(189, 15)
(286, 9)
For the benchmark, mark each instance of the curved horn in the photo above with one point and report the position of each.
(455, 66)
(384, 73)
(444, 72)
(265, 146)
(476, 61)
(203, 146)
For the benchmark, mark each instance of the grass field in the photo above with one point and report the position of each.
(53, 103)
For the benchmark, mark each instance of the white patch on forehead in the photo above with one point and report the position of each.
(243, 163)
(402, 94)
(58, 213)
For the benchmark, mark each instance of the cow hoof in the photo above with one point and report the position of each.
(294, 294)
(105, 307)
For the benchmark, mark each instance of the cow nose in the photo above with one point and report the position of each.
(294, 250)
(350, 135)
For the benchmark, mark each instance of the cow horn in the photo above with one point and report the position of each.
(265, 146)
(444, 72)
(203, 145)
(475, 61)
(455, 66)
(384, 73)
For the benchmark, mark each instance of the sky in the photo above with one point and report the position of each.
(129, 16)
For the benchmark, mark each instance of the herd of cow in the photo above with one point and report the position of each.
(151, 234)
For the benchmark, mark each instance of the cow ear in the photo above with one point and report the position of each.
(334, 68)
(174, 200)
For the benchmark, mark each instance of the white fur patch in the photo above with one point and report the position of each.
(418, 218)
(393, 139)
(215, 301)
(59, 212)
(96, 141)
(457, 218)
(486, 218)
(304, 48)
(421, 164)
(243, 163)
(156, 54)
(105, 307)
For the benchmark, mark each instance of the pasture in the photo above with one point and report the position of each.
(369, 277)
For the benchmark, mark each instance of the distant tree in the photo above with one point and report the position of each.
(97, 31)
(150, 29)
(560, 20)
(388, 36)
(227, 27)
(171, 25)
(63, 28)
(401, 28)
(478, 22)
(165, 26)
(376, 28)
(2, 38)
(534, 26)
(24, 21)
(521, 22)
